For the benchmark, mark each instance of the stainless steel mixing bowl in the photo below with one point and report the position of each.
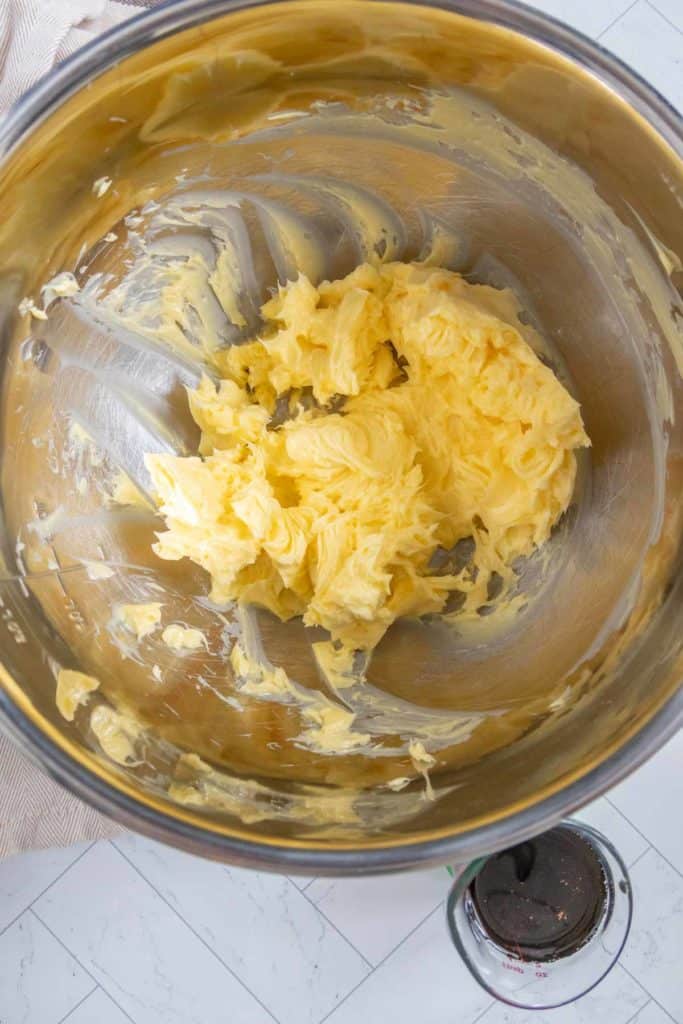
(310, 134)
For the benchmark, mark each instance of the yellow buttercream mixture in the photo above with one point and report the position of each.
(390, 445)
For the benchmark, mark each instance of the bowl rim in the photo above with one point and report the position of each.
(32, 108)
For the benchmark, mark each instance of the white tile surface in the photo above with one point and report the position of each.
(22, 879)
(301, 881)
(653, 951)
(97, 1008)
(423, 982)
(652, 1014)
(39, 982)
(587, 16)
(658, 784)
(261, 926)
(138, 950)
(647, 41)
(614, 1001)
(604, 817)
(672, 11)
(376, 913)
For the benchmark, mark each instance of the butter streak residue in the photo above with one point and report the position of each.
(183, 638)
(327, 727)
(73, 690)
(116, 733)
(61, 286)
(141, 619)
(125, 492)
(98, 570)
(423, 762)
(336, 664)
(28, 306)
(197, 784)
(101, 186)
(399, 783)
(331, 811)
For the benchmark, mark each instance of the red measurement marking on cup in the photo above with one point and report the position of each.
(513, 967)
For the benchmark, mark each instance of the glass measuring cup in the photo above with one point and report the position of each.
(541, 923)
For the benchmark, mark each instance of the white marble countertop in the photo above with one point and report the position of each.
(127, 931)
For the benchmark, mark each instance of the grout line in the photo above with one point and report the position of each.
(643, 1007)
(653, 999)
(75, 958)
(203, 941)
(441, 903)
(293, 880)
(332, 925)
(618, 966)
(49, 886)
(382, 961)
(661, 15)
(615, 20)
(486, 1010)
(80, 1003)
(643, 836)
(639, 857)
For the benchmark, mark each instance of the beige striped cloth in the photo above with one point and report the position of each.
(35, 812)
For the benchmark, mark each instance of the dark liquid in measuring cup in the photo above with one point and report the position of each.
(543, 899)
